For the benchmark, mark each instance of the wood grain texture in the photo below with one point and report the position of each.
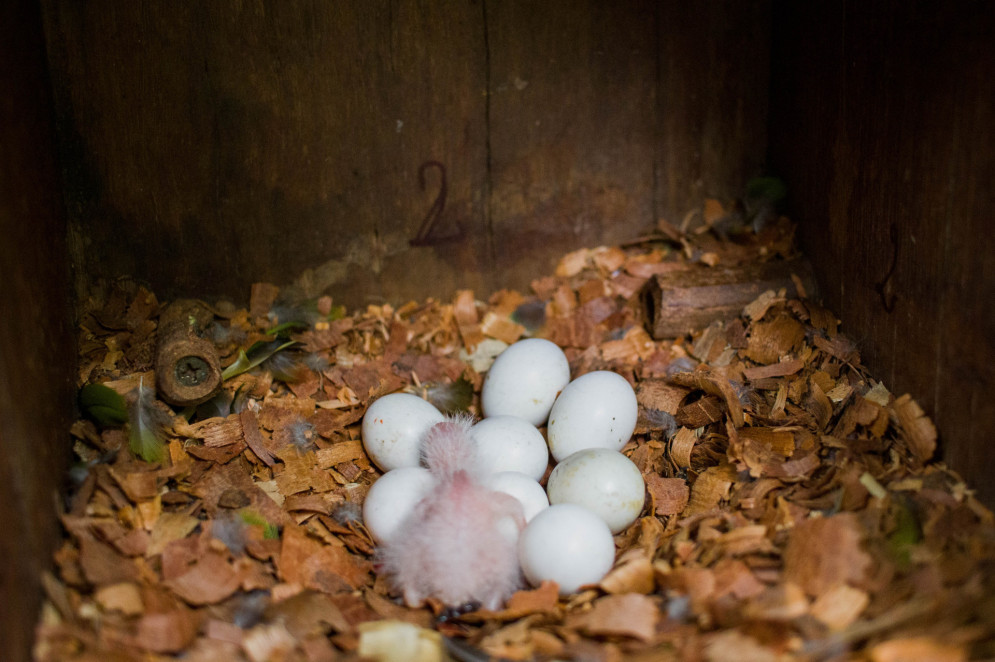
(210, 145)
(36, 344)
(885, 117)
(572, 124)
(714, 65)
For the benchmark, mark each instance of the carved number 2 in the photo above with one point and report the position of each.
(424, 236)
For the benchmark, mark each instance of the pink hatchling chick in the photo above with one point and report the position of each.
(459, 543)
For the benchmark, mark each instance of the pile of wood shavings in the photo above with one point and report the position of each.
(793, 511)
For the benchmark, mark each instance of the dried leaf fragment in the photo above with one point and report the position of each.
(125, 597)
(824, 552)
(169, 527)
(168, 632)
(208, 581)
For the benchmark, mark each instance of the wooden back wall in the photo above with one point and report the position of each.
(208, 145)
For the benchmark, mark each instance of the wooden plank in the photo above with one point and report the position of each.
(713, 96)
(572, 122)
(283, 141)
(36, 345)
(887, 143)
(273, 141)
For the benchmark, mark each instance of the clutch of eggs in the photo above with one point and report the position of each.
(595, 491)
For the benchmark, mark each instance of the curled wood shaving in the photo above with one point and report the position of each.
(633, 573)
(628, 615)
(715, 384)
(711, 487)
(681, 446)
(920, 433)
(660, 395)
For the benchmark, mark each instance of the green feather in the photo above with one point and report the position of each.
(146, 429)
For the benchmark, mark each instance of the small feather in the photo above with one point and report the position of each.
(250, 607)
(147, 425)
(301, 434)
(346, 512)
(448, 397)
(285, 367)
(316, 362)
(232, 531)
(531, 315)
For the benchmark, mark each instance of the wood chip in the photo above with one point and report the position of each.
(125, 598)
(168, 632)
(668, 496)
(840, 606)
(779, 369)
(628, 615)
(219, 432)
(681, 446)
(715, 384)
(660, 395)
(918, 649)
(502, 328)
(920, 433)
(769, 341)
(250, 429)
(209, 580)
(823, 552)
(633, 573)
(711, 487)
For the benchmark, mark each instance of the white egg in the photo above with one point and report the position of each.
(567, 544)
(393, 428)
(524, 380)
(596, 410)
(524, 488)
(604, 481)
(509, 443)
(392, 497)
